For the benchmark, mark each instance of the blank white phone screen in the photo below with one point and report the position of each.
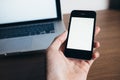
(81, 33)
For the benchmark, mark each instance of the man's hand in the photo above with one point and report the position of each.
(60, 67)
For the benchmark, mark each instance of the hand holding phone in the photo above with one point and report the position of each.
(80, 39)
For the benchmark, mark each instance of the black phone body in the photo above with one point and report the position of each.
(80, 39)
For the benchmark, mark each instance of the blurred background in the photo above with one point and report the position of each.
(69, 5)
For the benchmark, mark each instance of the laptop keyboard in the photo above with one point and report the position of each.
(26, 30)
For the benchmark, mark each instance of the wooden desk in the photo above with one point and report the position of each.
(107, 67)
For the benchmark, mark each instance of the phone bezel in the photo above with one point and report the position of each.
(80, 54)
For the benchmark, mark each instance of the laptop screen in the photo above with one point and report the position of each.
(12, 11)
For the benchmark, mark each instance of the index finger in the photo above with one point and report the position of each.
(97, 30)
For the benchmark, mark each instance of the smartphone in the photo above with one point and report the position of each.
(80, 39)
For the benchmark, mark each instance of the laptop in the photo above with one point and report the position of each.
(29, 25)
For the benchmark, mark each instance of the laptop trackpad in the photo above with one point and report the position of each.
(42, 41)
(15, 45)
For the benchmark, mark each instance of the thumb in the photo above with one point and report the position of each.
(59, 41)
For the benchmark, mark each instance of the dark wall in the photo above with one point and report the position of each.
(114, 4)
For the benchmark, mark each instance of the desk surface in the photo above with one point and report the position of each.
(32, 67)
